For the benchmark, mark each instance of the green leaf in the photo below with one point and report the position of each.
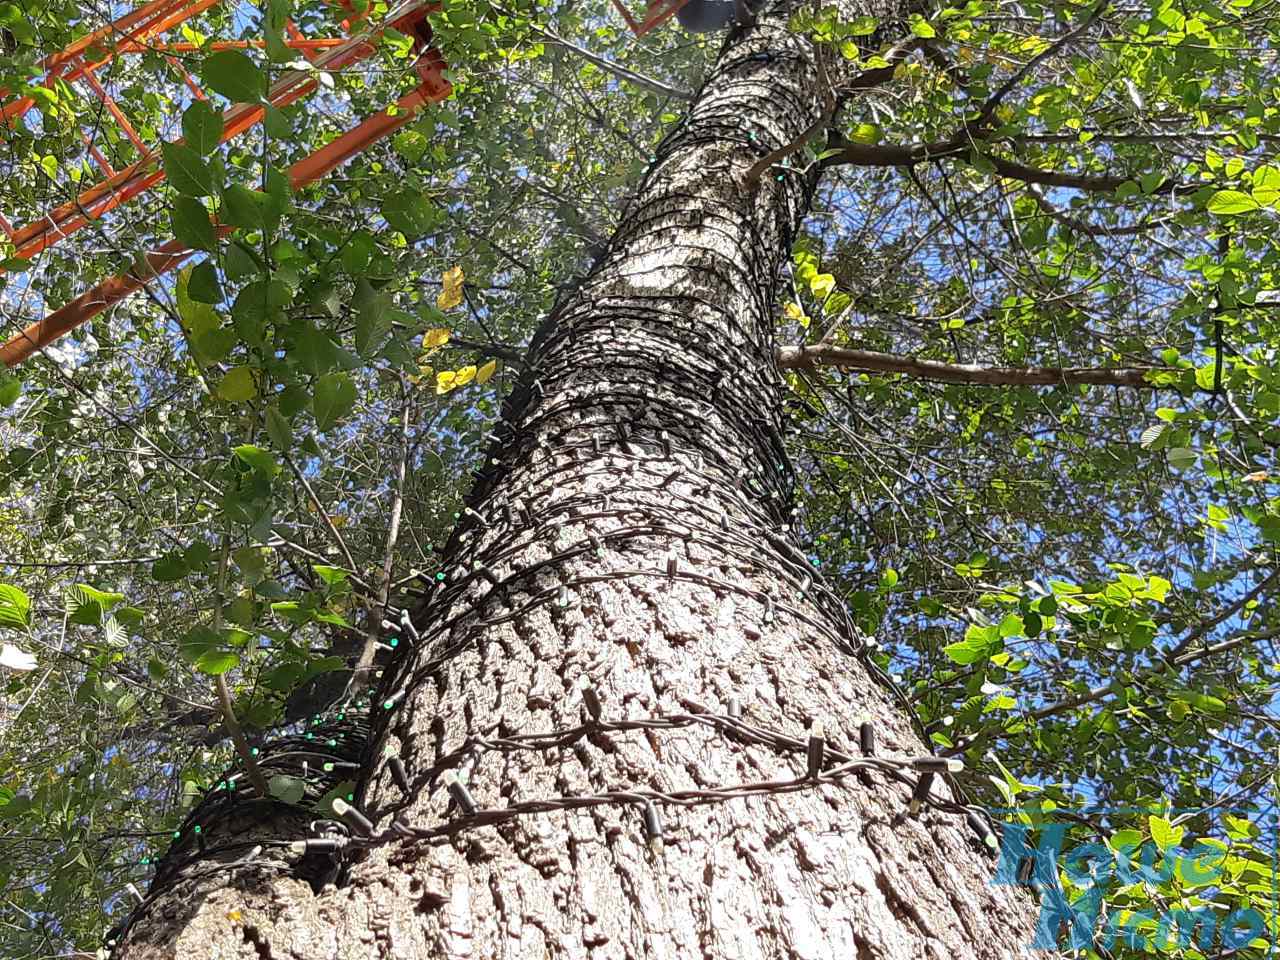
(157, 670)
(335, 395)
(252, 563)
(276, 123)
(15, 607)
(261, 460)
(196, 318)
(196, 643)
(292, 611)
(920, 27)
(1182, 458)
(330, 575)
(867, 133)
(279, 429)
(216, 662)
(279, 194)
(238, 386)
(1226, 203)
(357, 253)
(130, 616)
(411, 145)
(186, 171)
(234, 75)
(1151, 436)
(87, 606)
(410, 213)
(202, 283)
(14, 806)
(239, 263)
(191, 224)
(373, 323)
(202, 127)
(1164, 833)
(10, 388)
(242, 207)
(169, 568)
(978, 644)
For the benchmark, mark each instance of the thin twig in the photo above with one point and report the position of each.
(617, 69)
(324, 515)
(1227, 612)
(1097, 693)
(224, 692)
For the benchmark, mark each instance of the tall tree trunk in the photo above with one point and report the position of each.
(630, 532)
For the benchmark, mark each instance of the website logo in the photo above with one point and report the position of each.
(1097, 908)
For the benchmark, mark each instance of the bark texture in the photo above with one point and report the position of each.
(629, 529)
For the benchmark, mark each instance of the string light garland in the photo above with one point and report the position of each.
(824, 765)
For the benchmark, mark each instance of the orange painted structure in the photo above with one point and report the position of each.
(125, 36)
(656, 13)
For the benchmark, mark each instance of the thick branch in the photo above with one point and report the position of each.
(811, 357)
(377, 609)
(900, 155)
(831, 104)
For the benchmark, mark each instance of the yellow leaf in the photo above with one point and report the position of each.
(1258, 476)
(451, 291)
(445, 381)
(435, 339)
(486, 371)
(464, 375)
(792, 311)
(822, 285)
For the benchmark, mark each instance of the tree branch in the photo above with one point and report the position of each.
(993, 102)
(900, 155)
(378, 609)
(500, 350)
(324, 515)
(894, 57)
(617, 69)
(1097, 693)
(224, 692)
(1089, 229)
(800, 357)
(1229, 611)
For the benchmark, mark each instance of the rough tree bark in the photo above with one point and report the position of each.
(648, 428)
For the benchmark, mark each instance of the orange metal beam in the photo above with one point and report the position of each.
(116, 112)
(296, 43)
(167, 256)
(143, 173)
(165, 17)
(656, 14)
(94, 152)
